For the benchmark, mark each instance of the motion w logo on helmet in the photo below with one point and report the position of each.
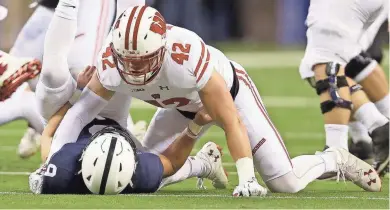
(158, 26)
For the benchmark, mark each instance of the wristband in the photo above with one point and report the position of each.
(245, 169)
(194, 128)
(75, 97)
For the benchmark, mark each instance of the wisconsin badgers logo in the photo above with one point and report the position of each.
(158, 26)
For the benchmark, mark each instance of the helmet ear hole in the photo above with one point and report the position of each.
(89, 177)
(120, 167)
(119, 184)
(94, 162)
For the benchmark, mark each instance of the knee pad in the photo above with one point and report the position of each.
(332, 84)
(360, 67)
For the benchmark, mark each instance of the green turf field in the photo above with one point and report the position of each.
(294, 109)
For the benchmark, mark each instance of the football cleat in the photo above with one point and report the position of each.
(29, 144)
(380, 141)
(211, 155)
(362, 149)
(14, 72)
(359, 172)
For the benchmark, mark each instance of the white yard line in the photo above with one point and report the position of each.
(10, 173)
(269, 101)
(270, 197)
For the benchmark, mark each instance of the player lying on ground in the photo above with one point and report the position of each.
(24, 63)
(334, 30)
(171, 67)
(112, 161)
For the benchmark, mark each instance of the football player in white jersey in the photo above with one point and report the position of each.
(172, 68)
(333, 66)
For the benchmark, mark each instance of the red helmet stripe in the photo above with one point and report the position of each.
(129, 21)
(200, 59)
(136, 27)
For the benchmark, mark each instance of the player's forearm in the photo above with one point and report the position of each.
(240, 149)
(50, 129)
(237, 139)
(180, 149)
(83, 111)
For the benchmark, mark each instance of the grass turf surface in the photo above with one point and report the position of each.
(294, 109)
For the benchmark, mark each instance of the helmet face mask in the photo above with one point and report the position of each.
(109, 161)
(138, 44)
(138, 70)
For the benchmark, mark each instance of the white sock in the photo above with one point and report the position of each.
(306, 169)
(336, 135)
(58, 42)
(383, 106)
(23, 105)
(193, 167)
(358, 132)
(370, 117)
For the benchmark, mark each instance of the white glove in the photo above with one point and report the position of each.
(35, 180)
(250, 188)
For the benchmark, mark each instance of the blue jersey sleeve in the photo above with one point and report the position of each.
(148, 174)
(63, 168)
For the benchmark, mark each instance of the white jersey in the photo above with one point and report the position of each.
(334, 30)
(356, 15)
(188, 65)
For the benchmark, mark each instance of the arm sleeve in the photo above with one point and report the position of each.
(83, 111)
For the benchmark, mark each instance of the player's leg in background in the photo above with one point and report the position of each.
(159, 136)
(23, 105)
(360, 143)
(29, 44)
(365, 68)
(56, 85)
(270, 156)
(369, 74)
(377, 124)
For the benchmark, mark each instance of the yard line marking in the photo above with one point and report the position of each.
(229, 196)
(11, 173)
(269, 101)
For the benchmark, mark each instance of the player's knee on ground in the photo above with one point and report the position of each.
(287, 183)
(360, 67)
(330, 86)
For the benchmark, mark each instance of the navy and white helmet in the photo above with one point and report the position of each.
(109, 161)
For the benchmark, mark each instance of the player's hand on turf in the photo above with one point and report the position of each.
(202, 118)
(84, 76)
(35, 180)
(250, 188)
